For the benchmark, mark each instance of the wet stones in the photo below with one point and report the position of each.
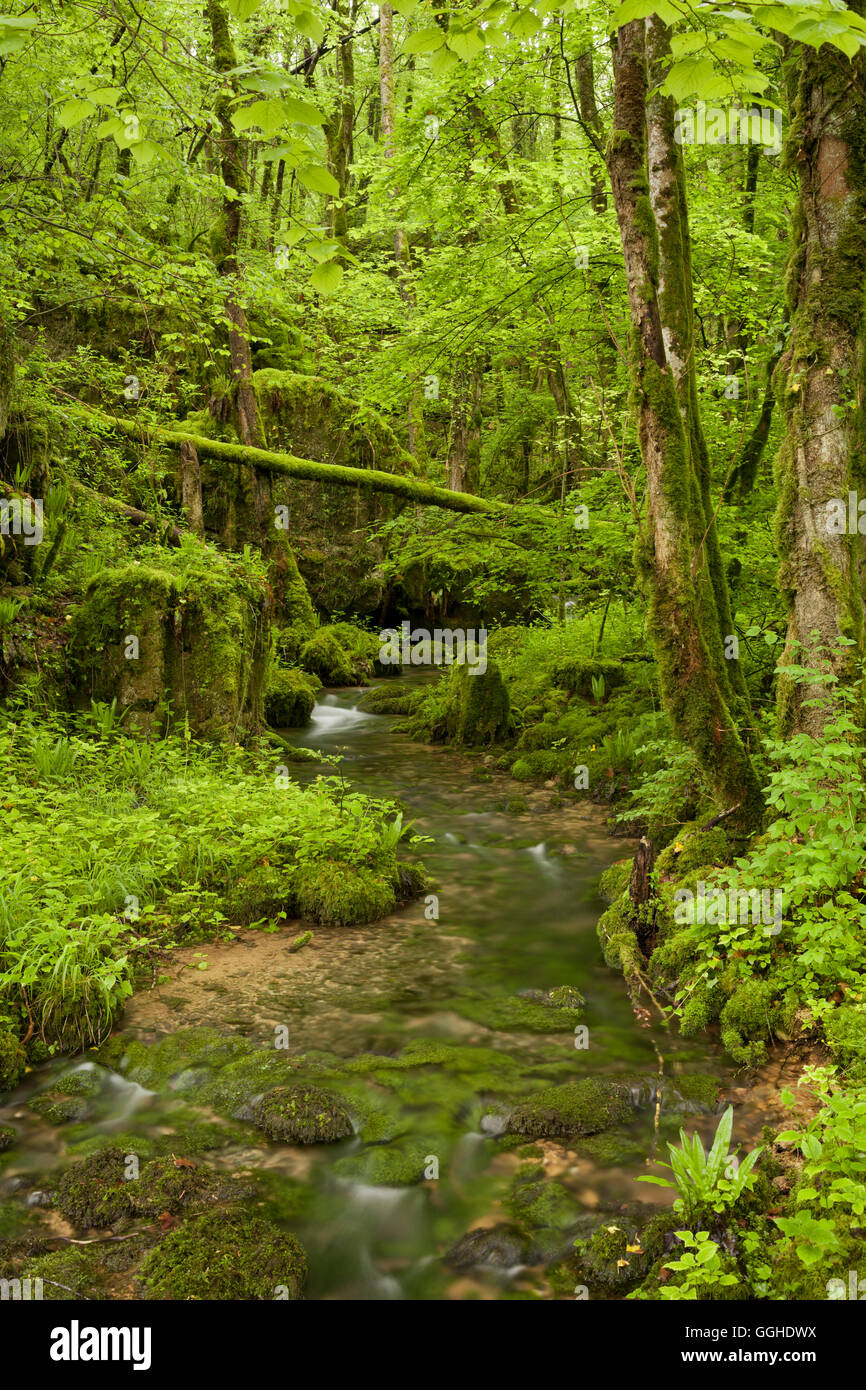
(577, 1108)
(301, 1115)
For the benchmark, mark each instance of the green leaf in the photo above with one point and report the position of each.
(425, 41)
(309, 25)
(326, 277)
(405, 7)
(317, 179)
(72, 113)
(144, 151)
(302, 112)
(467, 44)
(642, 9)
(242, 9)
(526, 25)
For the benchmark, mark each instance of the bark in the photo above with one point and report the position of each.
(671, 556)
(676, 306)
(190, 486)
(464, 457)
(821, 381)
(225, 244)
(339, 127)
(591, 122)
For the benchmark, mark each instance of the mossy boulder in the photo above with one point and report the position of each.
(290, 698)
(172, 645)
(225, 1255)
(577, 1108)
(477, 709)
(387, 1165)
(302, 1115)
(615, 880)
(694, 848)
(324, 655)
(335, 894)
(8, 1135)
(13, 1059)
(495, 1247)
(750, 1017)
(97, 1191)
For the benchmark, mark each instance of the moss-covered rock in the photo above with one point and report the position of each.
(169, 644)
(335, 894)
(694, 848)
(577, 1108)
(477, 708)
(98, 1190)
(290, 697)
(227, 1256)
(8, 1135)
(302, 1115)
(845, 1031)
(615, 880)
(13, 1059)
(398, 1164)
(328, 659)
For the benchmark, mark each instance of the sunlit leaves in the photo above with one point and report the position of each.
(317, 179)
(424, 41)
(326, 277)
(73, 112)
(15, 32)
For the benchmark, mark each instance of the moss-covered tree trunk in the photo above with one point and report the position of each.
(671, 554)
(820, 382)
(339, 127)
(667, 187)
(225, 241)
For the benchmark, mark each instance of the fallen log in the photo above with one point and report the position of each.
(333, 474)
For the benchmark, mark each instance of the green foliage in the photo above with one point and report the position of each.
(707, 1179)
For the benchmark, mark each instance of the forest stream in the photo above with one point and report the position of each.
(516, 897)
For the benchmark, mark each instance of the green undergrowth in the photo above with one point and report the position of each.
(114, 847)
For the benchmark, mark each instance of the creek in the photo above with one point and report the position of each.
(513, 907)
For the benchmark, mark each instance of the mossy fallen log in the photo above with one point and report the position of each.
(413, 489)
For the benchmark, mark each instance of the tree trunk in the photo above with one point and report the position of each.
(671, 555)
(821, 384)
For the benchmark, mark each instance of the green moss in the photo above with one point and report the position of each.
(748, 1019)
(96, 1191)
(577, 1108)
(556, 1013)
(13, 1060)
(387, 1165)
(60, 1112)
(302, 1115)
(327, 659)
(615, 880)
(263, 893)
(845, 1032)
(477, 708)
(336, 894)
(543, 1204)
(694, 848)
(290, 697)
(225, 1256)
(8, 1135)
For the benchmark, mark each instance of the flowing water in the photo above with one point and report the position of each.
(513, 907)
